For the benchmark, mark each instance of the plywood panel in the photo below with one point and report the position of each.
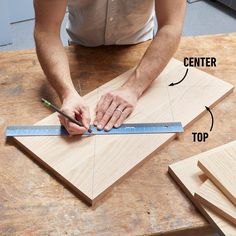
(209, 195)
(190, 177)
(221, 169)
(91, 165)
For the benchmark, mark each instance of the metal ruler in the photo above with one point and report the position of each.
(58, 130)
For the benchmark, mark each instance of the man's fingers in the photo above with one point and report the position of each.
(62, 120)
(116, 115)
(99, 112)
(84, 116)
(102, 106)
(66, 121)
(108, 114)
(123, 116)
(71, 127)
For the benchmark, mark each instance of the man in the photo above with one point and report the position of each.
(106, 22)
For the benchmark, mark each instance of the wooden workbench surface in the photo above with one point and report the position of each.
(147, 202)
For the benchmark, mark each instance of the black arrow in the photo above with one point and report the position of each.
(212, 118)
(173, 84)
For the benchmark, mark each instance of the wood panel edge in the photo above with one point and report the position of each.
(118, 181)
(66, 184)
(210, 106)
(217, 183)
(196, 231)
(195, 203)
(214, 208)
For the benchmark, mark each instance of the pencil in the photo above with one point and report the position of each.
(48, 104)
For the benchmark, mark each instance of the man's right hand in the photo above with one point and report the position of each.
(53, 59)
(75, 107)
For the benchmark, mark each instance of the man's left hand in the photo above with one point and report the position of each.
(114, 107)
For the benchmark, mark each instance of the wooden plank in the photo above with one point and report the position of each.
(190, 177)
(221, 169)
(142, 203)
(91, 165)
(209, 195)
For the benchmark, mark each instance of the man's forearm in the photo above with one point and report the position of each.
(54, 62)
(155, 59)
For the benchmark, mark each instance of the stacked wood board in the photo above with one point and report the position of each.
(221, 169)
(211, 196)
(212, 201)
(91, 165)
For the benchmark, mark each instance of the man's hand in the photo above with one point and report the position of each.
(114, 107)
(74, 106)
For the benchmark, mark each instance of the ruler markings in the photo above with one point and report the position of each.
(58, 130)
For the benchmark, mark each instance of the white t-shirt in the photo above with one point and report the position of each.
(108, 22)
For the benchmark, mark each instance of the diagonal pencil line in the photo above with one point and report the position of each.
(170, 104)
(94, 153)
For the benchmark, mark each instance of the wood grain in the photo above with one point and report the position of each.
(209, 195)
(221, 170)
(93, 164)
(33, 202)
(189, 176)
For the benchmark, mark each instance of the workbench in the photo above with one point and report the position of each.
(32, 202)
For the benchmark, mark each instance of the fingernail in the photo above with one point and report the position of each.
(107, 128)
(99, 126)
(95, 123)
(116, 125)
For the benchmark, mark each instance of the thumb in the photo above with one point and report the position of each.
(85, 117)
(68, 112)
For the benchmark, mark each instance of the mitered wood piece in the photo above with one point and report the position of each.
(221, 169)
(190, 177)
(209, 195)
(91, 165)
